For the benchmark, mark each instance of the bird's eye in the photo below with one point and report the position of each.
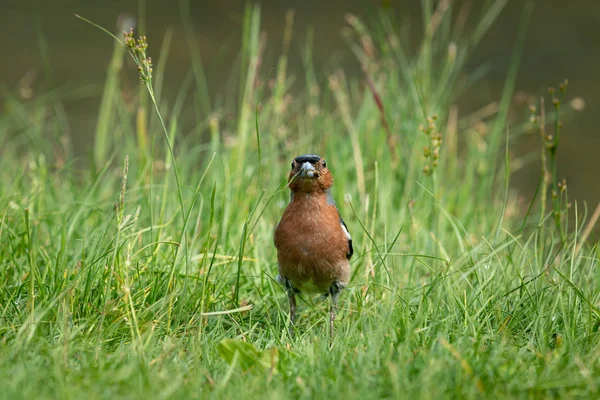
(292, 164)
(324, 164)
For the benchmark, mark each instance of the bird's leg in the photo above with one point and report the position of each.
(292, 299)
(291, 292)
(334, 291)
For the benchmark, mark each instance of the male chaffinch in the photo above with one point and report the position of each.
(313, 244)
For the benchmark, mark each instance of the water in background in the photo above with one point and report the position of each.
(563, 41)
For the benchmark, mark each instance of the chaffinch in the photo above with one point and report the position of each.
(313, 244)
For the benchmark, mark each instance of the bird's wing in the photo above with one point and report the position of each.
(345, 229)
(331, 201)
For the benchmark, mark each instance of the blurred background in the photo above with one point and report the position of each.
(45, 48)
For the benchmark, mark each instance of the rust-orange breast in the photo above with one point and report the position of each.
(311, 243)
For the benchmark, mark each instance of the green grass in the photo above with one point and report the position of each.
(125, 280)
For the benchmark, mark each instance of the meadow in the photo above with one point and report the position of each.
(147, 270)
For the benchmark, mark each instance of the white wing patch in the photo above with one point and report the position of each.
(350, 248)
(346, 231)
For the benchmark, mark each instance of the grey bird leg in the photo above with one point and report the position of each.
(291, 292)
(334, 291)
(292, 299)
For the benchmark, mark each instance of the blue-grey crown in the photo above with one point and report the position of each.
(311, 158)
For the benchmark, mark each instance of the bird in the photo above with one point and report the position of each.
(313, 244)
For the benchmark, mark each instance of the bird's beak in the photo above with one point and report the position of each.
(307, 170)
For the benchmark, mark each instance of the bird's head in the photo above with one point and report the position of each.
(309, 174)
